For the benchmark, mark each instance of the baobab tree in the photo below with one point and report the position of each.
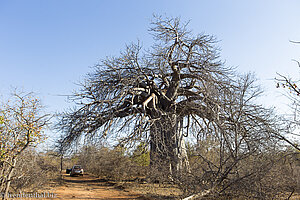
(178, 87)
(154, 95)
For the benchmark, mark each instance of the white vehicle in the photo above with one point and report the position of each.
(76, 170)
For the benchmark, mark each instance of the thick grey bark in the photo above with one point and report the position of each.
(167, 146)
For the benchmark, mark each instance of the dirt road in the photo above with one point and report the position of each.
(89, 187)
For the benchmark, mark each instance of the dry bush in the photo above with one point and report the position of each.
(34, 170)
(272, 174)
(269, 177)
(109, 163)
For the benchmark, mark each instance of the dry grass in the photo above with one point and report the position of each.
(152, 190)
(92, 187)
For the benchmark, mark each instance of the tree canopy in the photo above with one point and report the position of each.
(182, 74)
(179, 88)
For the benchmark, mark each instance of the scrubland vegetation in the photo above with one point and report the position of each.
(275, 174)
(184, 125)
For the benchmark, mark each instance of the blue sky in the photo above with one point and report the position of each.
(48, 46)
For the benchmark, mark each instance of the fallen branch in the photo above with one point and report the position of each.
(198, 195)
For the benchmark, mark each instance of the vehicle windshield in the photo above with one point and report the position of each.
(77, 167)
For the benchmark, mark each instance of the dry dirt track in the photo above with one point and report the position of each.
(89, 187)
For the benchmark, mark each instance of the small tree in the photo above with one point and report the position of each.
(21, 125)
(141, 155)
(60, 151)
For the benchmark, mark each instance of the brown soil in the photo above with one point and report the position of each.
(88, 187)
(91, 187)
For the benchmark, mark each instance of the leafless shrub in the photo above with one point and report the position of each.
(110, 163)
(271, 174)
(34, 171)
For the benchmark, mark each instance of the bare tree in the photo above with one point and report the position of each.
(235, 151)
(178, 89)
(60, 151)
(154, 94)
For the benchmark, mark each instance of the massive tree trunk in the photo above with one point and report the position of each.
(167, 147)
